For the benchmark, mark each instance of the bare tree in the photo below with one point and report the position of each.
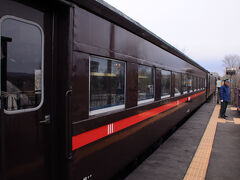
(215, 74)
(231, 61)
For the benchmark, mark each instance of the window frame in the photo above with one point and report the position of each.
(177, 94)
(107, 109)
(145, 101)
(190, 79)
(2, 19)
(194, 83)
(198, 83)
(169, 95)
(185, 74)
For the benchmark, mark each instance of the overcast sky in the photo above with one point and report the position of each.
(205, 30)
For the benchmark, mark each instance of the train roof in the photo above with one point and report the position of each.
(105, 10)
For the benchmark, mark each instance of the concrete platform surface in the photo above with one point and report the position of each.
(224, 162)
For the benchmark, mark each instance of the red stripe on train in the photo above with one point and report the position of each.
(88, 137)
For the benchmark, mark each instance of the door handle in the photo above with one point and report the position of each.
(68, 131)
(46, 120)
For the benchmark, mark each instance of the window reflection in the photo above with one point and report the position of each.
(21, 64)
(107, 83)
(145, 83)
(190, 83)
(165, 84)
(194, 83)
(198, 83)
(178, 84)
(185, 83)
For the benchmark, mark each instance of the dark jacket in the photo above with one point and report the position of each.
(225, 93)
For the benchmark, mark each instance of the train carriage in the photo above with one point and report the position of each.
(211, 84)
(85, 89)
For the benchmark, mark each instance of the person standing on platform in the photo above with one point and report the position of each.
(224, 98)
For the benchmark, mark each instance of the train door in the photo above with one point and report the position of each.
(26, 58)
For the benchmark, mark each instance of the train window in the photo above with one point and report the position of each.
(178, 84)
(145, 84)
(198, 83)
(21, 65)
(107, 85)
(190, 83)
(165, 84)
(194, 83)
(185, 83)
(202, 83)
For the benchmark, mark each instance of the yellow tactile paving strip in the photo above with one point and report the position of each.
(198, 167)
(235, 120)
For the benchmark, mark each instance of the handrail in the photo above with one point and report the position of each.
(68, 131)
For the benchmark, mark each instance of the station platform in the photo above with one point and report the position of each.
(204, 147)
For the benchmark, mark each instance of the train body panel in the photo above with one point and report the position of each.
(96, 159)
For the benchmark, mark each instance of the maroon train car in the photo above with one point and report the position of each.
(85, 89)
(211, 84)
